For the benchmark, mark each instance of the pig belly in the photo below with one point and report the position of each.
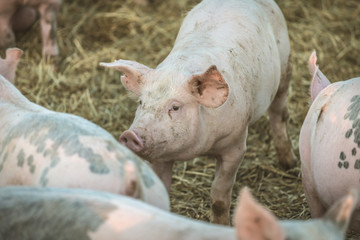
(335, 157)
(22, 163)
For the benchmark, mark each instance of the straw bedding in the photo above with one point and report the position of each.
(91, 31)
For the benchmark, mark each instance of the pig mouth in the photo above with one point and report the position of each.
(143, 146)
(152, 153)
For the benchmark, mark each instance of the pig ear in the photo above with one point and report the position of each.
(132, 186)
(253, 221)
(14, 54)
(319, 81)
(134, 73)
(340, 213)
(9, 64)
(209, 88)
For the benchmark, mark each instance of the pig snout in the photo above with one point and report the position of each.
(131, 140)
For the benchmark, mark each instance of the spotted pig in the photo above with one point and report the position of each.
(39, 147)
(33, 213)
(229, 65)
(330, 142)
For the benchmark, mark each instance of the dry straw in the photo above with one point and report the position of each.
(91, 31)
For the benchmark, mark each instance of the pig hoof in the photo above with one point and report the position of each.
(288, 161)
(219, 213)
(52, 62)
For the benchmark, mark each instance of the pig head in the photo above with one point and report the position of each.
(174, 130)
(255, 222)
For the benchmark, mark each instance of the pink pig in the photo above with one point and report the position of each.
(45, 213)
(230, 63)
(17, 15)
(39, 147)
(330, 143)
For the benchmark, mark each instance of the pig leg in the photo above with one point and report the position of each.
(7, 37)
(164, 172)
(48, 12)
(279, 116)
(316, 208)
(312, 198)
(226, 168)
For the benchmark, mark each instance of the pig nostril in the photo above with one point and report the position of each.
(123, 139)
(131, 140)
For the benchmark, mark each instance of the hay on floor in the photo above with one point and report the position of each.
(91, 31)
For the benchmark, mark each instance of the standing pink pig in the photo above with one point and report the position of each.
(17, 15)
(39, 147)
(330, 142)
(230, 63)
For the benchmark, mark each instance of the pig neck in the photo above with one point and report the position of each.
(181, 228)
(311, 229)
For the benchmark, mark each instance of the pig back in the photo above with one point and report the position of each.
(247, 41)
(335, 140)
(62, 150)
(56, 213)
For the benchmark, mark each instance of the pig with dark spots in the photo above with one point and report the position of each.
(53, 213)
(18, 15)
(39, 147)
(329, 142)
(229, 65)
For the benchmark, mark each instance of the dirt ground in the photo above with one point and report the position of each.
(93, 31)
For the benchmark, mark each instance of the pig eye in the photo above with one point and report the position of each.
(140, 102)
(175, 108)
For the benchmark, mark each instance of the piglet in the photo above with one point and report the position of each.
(55, 213)
(330, 142)
(18, 15)
(39, 147)
(229, 65)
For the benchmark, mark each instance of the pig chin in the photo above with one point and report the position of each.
(161, 152)
(156, 152)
